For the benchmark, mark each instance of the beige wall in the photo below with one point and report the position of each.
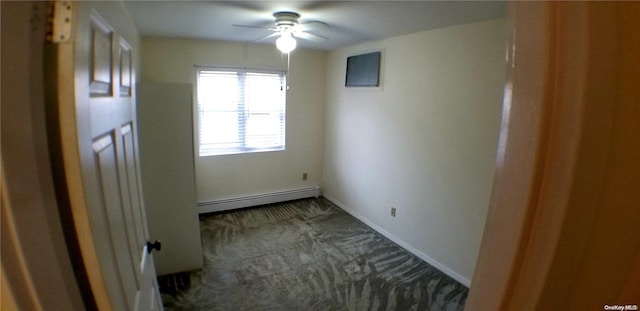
(424, 142)
(220, 177)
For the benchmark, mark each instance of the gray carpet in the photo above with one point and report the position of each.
(306, 255)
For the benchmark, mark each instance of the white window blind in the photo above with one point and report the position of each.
(240, 111)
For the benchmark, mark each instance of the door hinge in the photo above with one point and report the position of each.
(59, 21)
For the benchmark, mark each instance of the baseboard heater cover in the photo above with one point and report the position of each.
(259, 199)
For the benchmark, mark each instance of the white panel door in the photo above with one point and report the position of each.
(95, 115)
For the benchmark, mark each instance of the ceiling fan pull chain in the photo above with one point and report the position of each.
(288, 71)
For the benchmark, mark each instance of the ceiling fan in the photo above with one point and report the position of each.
(287, 27)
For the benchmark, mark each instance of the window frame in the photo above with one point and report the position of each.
(243, 112)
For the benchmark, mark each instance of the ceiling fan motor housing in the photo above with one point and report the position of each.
(286, 20)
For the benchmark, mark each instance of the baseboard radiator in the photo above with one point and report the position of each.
(259, 199)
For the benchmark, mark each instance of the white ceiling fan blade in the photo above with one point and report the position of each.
(311, 26)
(275, 34)
(310, 36)
(256, 27)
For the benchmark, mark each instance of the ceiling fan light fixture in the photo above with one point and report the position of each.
(286, 43)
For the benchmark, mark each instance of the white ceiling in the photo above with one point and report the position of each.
(350, 22)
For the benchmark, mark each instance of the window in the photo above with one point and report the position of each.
(240, 111)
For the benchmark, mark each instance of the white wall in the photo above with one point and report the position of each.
(221, 177)
(424, 142)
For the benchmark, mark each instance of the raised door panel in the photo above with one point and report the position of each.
(101, 57)
(125, 70)
(133, 182)
(134, 244)
(113, 246)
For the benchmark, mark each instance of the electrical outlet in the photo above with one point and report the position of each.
(393, 212)
(304, 176)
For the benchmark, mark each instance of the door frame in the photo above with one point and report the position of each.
(35, 253)
(565, 195)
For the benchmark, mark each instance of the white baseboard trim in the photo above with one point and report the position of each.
(446, 270)
(260, 199)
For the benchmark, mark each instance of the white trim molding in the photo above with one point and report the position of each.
(444, 269)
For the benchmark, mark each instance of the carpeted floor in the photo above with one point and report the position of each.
(305, 255)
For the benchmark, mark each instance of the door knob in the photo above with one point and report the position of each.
(155, 245)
